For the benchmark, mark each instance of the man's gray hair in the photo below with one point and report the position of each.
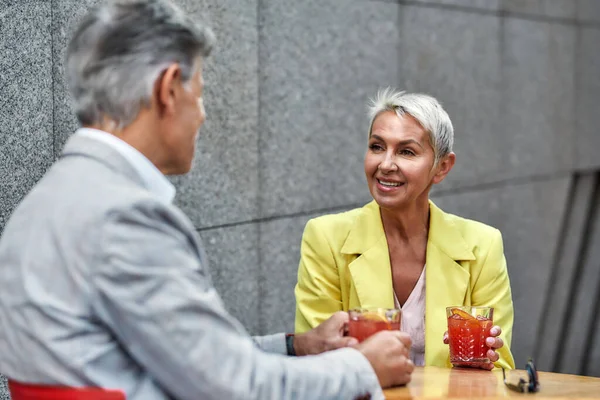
(119, 50)
(425, 109)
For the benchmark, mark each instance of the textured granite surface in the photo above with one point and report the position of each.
(465, 76)
(538, 96)
(25, 100)
(320, 63)
(234, 265)
(588, 10)
(3, 389)
(222, 188)
(66, 14)
(587, 102)
(545, 8)
(280, 253)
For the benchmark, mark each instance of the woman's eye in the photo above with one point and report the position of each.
(407, 152)
(375, 147)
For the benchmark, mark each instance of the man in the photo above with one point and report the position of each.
(103, 280)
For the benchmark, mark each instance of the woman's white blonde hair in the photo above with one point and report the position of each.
(424, 108)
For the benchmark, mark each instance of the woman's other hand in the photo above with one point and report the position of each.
(494, 342)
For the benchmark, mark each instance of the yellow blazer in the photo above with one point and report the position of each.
(345, 264)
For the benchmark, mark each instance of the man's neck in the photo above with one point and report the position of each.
(141, 135)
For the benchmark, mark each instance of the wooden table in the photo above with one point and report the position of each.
(434, 382)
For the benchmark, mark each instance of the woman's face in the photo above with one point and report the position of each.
(399, 163)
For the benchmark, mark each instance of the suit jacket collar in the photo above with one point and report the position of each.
(367, 230)
(444, 234)
(103, 153)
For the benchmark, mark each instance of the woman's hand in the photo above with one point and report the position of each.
(493, 341)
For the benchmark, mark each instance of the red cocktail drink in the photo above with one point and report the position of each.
(364, 323)
(468, 327)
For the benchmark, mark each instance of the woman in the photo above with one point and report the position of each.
(401, 250)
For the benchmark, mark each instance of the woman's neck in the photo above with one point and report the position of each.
(407, 224)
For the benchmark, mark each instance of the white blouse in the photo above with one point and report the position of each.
(413, 320)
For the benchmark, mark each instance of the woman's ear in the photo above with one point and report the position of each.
(444, 167)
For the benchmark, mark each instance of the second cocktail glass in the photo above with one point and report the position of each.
(366, 322)
(468, 327)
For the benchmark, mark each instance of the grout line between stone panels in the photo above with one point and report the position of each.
(260, 284)
(518, 181)
(343, 207)
(498, 13)
(285, 216)
(451, 7)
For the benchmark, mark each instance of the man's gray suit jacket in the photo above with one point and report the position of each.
(104, 284)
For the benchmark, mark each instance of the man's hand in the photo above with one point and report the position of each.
(388, 353)
(327, 336)
(493, 342)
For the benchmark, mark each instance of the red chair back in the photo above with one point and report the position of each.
(28, 391)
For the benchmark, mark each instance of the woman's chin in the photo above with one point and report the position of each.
(389, 203)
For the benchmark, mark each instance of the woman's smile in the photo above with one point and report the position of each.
(388, 186)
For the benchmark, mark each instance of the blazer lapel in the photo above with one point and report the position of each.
(370, 271)
(446, 278)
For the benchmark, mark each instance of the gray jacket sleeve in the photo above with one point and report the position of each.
(271, 343)
(157, 298)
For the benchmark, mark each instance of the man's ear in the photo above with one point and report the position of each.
(165, 89)
(444, 167)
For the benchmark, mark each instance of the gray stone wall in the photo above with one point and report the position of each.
(285, 137)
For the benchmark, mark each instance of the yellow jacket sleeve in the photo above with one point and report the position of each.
(492, 288)
(318, 288)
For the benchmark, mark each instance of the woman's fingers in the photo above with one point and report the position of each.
(493, 356)
(494, 342)
(488, 366)
(495, 331)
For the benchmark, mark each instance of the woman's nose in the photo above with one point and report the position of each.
(388, 165)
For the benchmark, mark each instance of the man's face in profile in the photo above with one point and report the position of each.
(184, 125)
